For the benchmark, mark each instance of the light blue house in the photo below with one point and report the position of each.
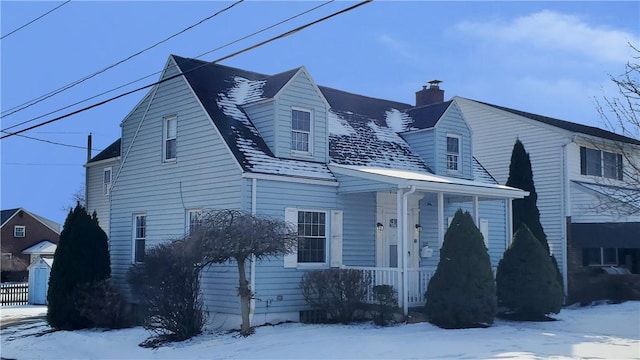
(371, 183)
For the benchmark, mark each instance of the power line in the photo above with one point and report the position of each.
(41, 98)
(283, 35)
(50, 142)
(36, 19)
(158, 72)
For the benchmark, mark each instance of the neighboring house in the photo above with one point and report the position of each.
(371, 184)
(25, 238)
(576, 169)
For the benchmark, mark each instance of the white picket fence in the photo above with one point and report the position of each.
(417, 279)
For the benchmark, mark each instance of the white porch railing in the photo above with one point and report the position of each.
(418, 279)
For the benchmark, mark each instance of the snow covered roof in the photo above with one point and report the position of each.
(363, 131)
(429, 182)
(43, 247)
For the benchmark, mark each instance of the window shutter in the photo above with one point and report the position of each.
(484, 229)
(619, 166)
(583, 160)
(336, 238)
(291, 217)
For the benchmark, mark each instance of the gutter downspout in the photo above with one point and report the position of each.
(252, 276)
(566, 211)
(405, 246)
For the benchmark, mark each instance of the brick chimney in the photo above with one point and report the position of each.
(431, 95)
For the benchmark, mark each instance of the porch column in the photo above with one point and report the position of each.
(440, 219)
(476, 211)
(400, 252)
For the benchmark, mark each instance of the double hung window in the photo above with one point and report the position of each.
(139, 237)
(300, 130)
(453, 153)
(170, 137)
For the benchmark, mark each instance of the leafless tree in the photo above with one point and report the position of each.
(621, 114)
(227, 235)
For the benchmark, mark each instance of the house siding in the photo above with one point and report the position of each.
(262, 115)
(96, 199)
(495, 133)
(163, 191)
(423, 144)
(275, 284)
(301, 92)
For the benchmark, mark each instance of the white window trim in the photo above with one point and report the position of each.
(187, 229)
(134, 235)
(106, 187)
(165, 138)
(21, 227)
(446, 160)
(299, 152)
(327, 235)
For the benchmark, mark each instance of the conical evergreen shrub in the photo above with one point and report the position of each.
(525, 210)
(82, 257)
(526, 279)
(462, 293)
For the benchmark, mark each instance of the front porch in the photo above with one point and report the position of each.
(408, 214)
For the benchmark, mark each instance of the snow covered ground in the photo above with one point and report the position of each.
(601, 331)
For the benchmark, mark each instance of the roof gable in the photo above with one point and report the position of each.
(567, 125)
(110, 152)
(7, 215)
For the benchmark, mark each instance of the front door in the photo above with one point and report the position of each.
(390, 240)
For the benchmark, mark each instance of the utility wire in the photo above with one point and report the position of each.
(36, 19)
(277, 37)
(158, 72)
(51, 142)
(74, 83)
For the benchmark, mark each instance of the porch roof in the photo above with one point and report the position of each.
(423, 181)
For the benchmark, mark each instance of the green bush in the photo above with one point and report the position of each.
(462, 293)
(527, 284)
(103, 305)
(82, 256)
(338, 292)
(386, 304)
(167, 285)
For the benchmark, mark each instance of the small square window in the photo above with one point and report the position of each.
(19, 231)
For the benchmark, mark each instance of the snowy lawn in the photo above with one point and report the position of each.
(602, 331)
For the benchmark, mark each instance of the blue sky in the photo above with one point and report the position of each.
(549, 58)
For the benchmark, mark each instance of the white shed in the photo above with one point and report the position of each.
(39, 273)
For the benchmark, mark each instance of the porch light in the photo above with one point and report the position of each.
(418, 227)
(380, 227)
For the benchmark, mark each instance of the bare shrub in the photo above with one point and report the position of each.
(338, 292)
(167, 284)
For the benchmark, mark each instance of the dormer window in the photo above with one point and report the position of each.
(453, 153)
(300, 130)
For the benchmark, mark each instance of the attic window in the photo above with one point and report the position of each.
(300, 130)
(170, 136)
(19, 231)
